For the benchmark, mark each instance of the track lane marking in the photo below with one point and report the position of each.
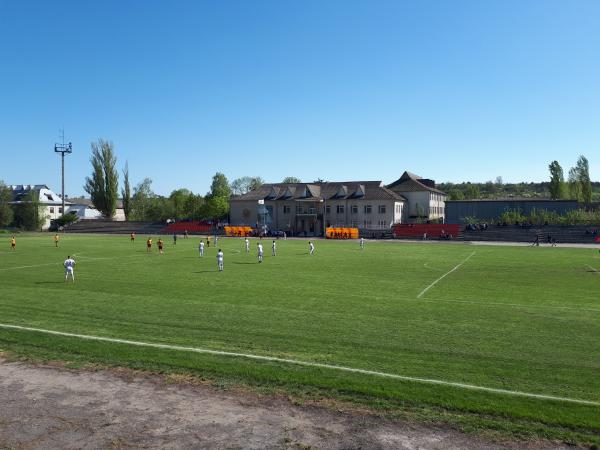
(466, 386)
(445, 275)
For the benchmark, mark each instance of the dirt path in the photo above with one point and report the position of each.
(45, 407)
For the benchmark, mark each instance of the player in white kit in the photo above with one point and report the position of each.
(311, 247)
(362, 243)
(201, 248)
(69, 265)
(273, 248)
(247, 242)
(220, 260)
(260, 252)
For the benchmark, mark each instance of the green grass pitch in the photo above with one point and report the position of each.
(514, 318)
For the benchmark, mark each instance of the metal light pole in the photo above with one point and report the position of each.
(62, 149)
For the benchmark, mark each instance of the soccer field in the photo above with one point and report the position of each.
(505, 338)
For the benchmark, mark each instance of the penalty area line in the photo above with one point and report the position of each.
(445, 275)
(465, 386)
(594, 270)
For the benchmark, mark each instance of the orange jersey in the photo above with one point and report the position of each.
(13, 242)
(149, 242)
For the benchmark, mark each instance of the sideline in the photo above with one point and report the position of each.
(446, 274)
(471, 387)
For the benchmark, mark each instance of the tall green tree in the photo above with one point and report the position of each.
(103, 185)
(472, 192)
(456, 194)
(583, 172)
(6, 211)
(292, 180)
(220, 186)
(574, 185)
(178, 199)
(141, 201)
(557, 181)
(193, 206)
(242, 185)
(28, 213)
(126, 192)
(216, 203)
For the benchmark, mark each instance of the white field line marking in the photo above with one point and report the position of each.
(308, 364)
(34, 265)
(597, 271)
(59, 263)
(445, 275)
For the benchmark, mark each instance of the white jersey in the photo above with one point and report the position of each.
(69, 264)
(260, 249)
(219, 256)
(247, 245)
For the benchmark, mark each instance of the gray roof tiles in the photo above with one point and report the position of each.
(367, 190)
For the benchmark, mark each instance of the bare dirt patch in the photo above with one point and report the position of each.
(48, 406)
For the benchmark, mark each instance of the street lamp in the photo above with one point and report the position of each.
(62, 149)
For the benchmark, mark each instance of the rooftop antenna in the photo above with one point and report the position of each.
(62, 149)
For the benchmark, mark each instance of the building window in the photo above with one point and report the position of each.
(354, 209)
(311, 210)
(287, 209)
(382, 224)
(381, 209)
(328, 209)
(51, 210)
(368, 209)
(340, 209)
(299, 209)
(60, 210)
(367, 223)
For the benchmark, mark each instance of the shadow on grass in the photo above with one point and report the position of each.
(49, 282)
(237, 262)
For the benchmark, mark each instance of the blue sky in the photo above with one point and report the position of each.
(339, 90)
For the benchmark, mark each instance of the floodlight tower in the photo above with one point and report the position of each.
(62, 149)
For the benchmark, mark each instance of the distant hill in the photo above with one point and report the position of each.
(490, 189)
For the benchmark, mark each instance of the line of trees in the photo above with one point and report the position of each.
(578, 186)
(141, 203)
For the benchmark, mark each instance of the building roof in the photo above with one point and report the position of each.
(45, 195)
(409, 182)
(363, 190)
(87, 202)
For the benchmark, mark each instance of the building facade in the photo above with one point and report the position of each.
(50, 202)
(306, 209)
(425, 202)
